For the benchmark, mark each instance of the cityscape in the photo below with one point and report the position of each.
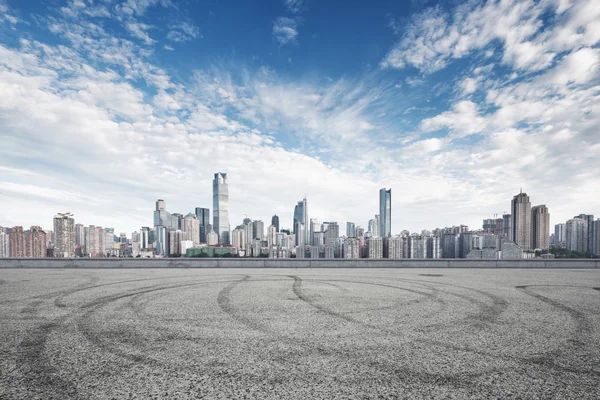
(525, 232)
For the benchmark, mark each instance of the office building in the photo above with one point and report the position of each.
(385, 212)
(271, 236)
(315, 226)
(560, 235)
(332, 232)
(521, 221)
(275, 223)
(64, 235)
(540, 228)
(145, 238)
(350, 229)
(507, 226)
(221, 207)
(203, 215)
(162, 241)
(258, 230)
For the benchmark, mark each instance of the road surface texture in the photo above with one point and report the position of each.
(299, 333)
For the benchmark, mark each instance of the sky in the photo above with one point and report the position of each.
(108, 105)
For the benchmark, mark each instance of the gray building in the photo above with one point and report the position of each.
(507, 225)
(350, 229)
(449, 245)
(221, 207)
(560, 235)
(596, 238)
(64, 235)
(258, 230)
(275, 222)
(540, 227)
(385, 212)
(521, 221)
(203, 215)
(590, 232)
(465, 244)
(577, 235)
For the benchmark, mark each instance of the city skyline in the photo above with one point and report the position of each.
(109, 105)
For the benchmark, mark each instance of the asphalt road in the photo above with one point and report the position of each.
(301, 333)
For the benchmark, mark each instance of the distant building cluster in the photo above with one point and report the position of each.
(518, 234)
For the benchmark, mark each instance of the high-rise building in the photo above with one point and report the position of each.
(465, 244)
(145, 238)
(540, 227)
(577, 235)
(17, 242)
(80, 237)
(392, 247)
(275, 222)
(434, 248)
(161, 205)
(35, 242)
(258, 230)
(385, 212)
(332, 233)
(191, 227)
(590, 232)
(161, 243)
(109, 242)
(596, 238)
(350, 229)
(238, 238)
(271, 235)
(417, 246)
(521, 221)
(560, 235)
(449, 245)
(507, 226)
(374, 247)
(175, 239)
(314, 226)
(212, 238)
(64, 235)
(221, 207)
(306, 222)
(203, 215)
(351, 248)
(4, 244)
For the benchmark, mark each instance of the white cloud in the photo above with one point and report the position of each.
(434, 37)
(294, 5)
(285, 30)
(183, 32)
(140, 31)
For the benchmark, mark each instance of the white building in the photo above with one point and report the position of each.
(185, 245)
(212, 238)
(351, 248)
(393, 246)
(374, 247)
(191, 227)
(271, 236)
(238, 239)
(418, 246)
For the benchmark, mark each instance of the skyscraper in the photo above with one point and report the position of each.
(161, 205)
(507, 226)
(258, 230)
(385, 212)
(540, 227)
(64, 233)
(306, 221)
(350, 229)
(560, 235)
(17, 242)
(301, 217)
(521, 221)
(191, 227)
(596, 238)
(4, 244)
(203, 215)
(275, 222)
(221, 207)
(577, 235)
(590, 232)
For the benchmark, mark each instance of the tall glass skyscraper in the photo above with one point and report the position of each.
(221, 207)
(385, 212)
(203, 215)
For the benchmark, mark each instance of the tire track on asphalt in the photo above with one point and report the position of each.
(495, 311)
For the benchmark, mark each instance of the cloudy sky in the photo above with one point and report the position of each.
(107, 105)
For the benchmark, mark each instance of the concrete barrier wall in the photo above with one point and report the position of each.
(287, 263)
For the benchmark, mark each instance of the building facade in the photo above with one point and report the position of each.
(385, 212)
(203, 215)
(64, 235)
(221, 207)
(540, 227)
(521, 221)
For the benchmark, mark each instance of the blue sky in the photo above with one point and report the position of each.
(108, 105)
